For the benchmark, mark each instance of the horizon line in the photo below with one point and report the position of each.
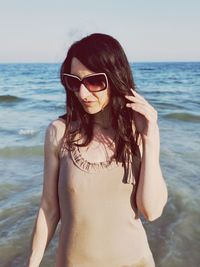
(131, 62)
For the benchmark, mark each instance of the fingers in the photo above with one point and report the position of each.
(136, 98)
(150, 114)
(141, 105)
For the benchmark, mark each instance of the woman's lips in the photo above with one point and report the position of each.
(88, 102)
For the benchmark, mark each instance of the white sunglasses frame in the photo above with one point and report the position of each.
(90, 75)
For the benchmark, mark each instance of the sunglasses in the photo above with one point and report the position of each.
(94, 82)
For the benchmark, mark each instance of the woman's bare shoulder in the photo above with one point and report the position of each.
(57, 127)
(56, 132)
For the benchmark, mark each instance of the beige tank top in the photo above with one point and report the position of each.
(98, 223)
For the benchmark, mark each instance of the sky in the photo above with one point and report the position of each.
(148, 30)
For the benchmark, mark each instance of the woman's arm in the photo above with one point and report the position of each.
(152, 191)
(48, 215)
(151, 195)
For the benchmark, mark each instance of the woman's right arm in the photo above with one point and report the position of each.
(49, 213)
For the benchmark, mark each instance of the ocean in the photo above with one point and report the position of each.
(31, 96)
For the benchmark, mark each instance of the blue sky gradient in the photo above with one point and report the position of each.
(156, 30)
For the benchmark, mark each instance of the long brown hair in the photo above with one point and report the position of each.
(102, 53)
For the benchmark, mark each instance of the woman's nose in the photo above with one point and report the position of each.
(83, 92)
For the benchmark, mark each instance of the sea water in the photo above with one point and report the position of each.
(31, 96)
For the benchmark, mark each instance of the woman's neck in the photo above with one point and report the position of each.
(102, 118)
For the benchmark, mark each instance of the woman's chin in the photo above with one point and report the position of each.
(92, 110)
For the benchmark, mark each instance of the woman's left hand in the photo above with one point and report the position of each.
(145, 116)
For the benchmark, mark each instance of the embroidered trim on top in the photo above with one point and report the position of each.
(87, 166)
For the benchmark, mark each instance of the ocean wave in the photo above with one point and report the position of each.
(146, 69)
(182, 116)
(21, 151)
(10, 99)
(7, 131)
(22, 132)
(27, 132)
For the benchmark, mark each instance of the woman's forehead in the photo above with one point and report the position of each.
(78, 68)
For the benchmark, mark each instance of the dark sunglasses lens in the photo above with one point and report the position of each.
(72, 83)
(95, 83)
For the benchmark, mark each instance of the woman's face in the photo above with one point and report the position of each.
(92, 102)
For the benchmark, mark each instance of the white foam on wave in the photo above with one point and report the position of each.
(27, 132)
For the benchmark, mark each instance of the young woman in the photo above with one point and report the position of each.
(102, 167)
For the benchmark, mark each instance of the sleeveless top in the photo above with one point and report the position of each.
(98, 223)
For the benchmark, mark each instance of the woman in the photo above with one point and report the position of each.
(101, 166)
